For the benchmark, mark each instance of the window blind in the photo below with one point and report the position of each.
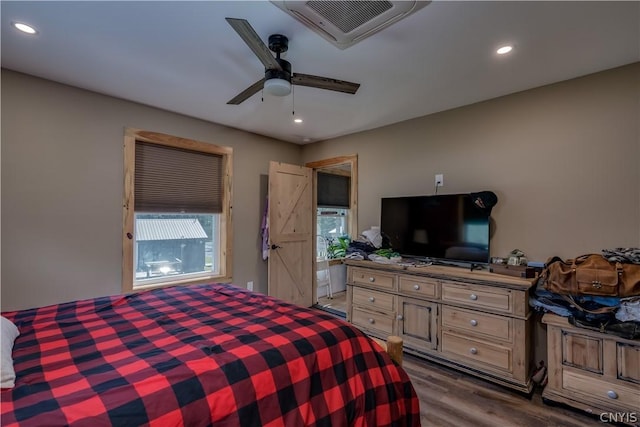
(169, 179)
(333, 190)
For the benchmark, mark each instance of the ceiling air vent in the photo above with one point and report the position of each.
(344, 23)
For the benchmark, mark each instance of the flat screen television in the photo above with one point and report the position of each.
(440, 228)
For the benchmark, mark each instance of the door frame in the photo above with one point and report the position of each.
(334, 162)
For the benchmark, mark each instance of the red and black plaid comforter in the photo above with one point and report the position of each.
(198, 356)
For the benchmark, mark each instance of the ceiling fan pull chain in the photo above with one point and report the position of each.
(293, 100)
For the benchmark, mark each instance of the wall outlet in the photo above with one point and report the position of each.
(439, 180)
(250, 285)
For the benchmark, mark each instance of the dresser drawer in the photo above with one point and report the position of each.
(582, 351)
(475, 351)
(378, 322)
(477, 323)
(378, 279)
(419, 286)
(373, 299)
(478, 296)
(628, 362)
(607, 391)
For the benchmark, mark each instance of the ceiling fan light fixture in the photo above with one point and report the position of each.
(277, 87)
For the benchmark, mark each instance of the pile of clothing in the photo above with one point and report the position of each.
(372, 245)
(607, 314)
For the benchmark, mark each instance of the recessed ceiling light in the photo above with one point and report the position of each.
(504, 49)
(297, 120)
(24, 27)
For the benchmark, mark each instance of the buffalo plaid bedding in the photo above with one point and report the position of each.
(198, 356)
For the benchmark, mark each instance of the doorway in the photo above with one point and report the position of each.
(335, 215)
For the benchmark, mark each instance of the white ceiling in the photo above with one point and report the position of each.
(184, 57)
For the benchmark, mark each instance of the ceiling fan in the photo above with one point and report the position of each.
(278, 77)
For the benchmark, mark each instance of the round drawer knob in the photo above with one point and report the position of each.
(371, 299)
(612, 394)
(474, 322)
(473, 297)
(416, 287)
(399, 317)
(372, 279)
(372, 321)
(473, 350)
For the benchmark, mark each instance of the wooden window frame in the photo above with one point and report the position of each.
(128, 211)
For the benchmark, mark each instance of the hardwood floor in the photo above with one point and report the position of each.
(337, 303)
(451, 398)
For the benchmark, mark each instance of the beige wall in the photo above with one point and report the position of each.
(564, 160)
(62, 189)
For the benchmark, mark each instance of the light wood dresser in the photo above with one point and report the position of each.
(598, 373)
(474, 321)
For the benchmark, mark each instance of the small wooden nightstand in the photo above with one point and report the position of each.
(596, 372)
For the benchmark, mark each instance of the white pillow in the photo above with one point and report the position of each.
(9, 332)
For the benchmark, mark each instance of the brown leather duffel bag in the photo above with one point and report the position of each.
(592, 274)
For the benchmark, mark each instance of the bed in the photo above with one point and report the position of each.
(197, 356)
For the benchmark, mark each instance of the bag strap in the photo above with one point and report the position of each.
(619, 268)
(580, 259)
(552, 260)
(601, 310)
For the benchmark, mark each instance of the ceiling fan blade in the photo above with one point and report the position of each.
(324, 83)
(251, 38)
(247, 93)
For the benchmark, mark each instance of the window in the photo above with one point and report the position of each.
(332, 222)
(333, 201)
(177, 204)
